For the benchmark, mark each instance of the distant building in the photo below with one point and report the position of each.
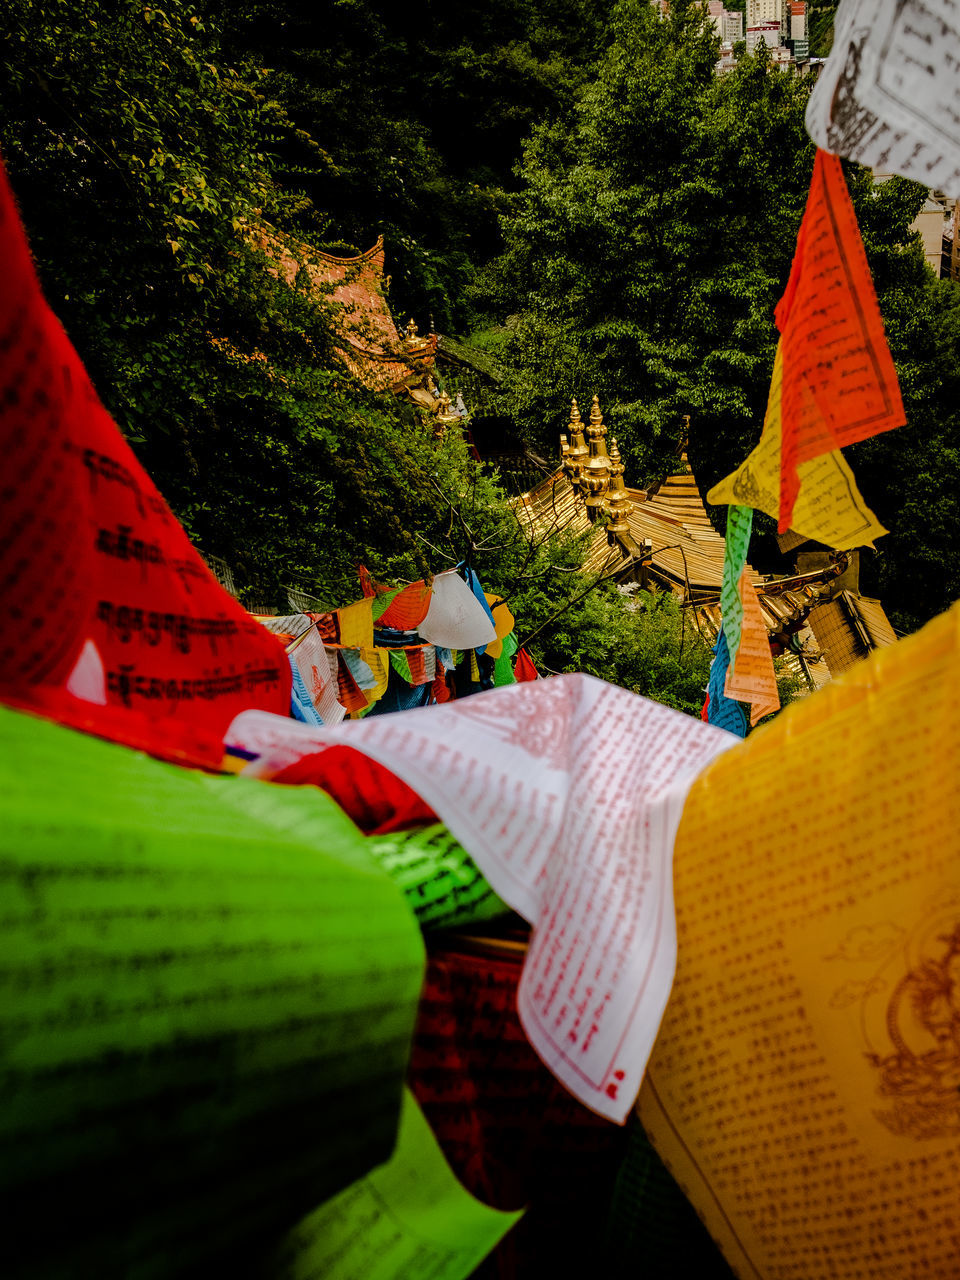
(767, 33)
(936, 225)
(760, 13)
(732, 26)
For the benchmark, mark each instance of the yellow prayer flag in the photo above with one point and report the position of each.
(750, 676)
(829, 507)
(379, 664)
(356, 624)
(503, 622)
(805, 1084)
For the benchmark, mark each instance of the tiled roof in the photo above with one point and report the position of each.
(825, 635)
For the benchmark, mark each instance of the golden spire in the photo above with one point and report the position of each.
(596, 472)
(617, 505)
(411, 330)
(577, 453)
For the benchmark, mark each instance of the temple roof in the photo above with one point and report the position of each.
(823, 628)
(364, 333)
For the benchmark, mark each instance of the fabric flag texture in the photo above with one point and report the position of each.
(407, 1220)
(318, 675)
(455, 618)
(524, 669)
(572, 832)
(476, 1077)
(739, 527)
(301, 704)
(803, 1087)
(96, 568)
(751, 678)
(208, 993)
(722, 711)
(829, 507)
(443, 885)
(887, 96)
(839, 382)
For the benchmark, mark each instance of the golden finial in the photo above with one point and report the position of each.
(411, 330)
(577, 453)
(596, 471)
(617, 505)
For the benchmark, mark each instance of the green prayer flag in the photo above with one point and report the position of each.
(408, 1220)
(441, 882)
(739, 526)
(207, 995)
(401, 664)
(503, 666)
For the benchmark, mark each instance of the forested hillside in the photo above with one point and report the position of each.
(563, 183)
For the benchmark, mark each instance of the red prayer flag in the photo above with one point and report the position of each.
(368, 792)
(839, 381)
(524, 669)
(112, 623)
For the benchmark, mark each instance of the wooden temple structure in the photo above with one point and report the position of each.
(662, 538)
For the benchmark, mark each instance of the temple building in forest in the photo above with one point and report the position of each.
(662, 538)
(365, 336)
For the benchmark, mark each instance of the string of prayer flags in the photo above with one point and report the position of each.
(887, 96)
(145, 646)
(455, 618)
(408, 1218)
(742, 668)
(803, 1087)
(839, 381)
(441, 882)
(574, 834)
(829, 507)
(208, 994)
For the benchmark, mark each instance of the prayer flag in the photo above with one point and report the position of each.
(803, 1087)
(829, 507)
(839, 381)
(111, 621)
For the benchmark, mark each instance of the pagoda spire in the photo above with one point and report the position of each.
(597, 469)
(618, 504)
(575, 457)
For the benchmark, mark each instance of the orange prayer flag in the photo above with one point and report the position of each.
(408, 608)
(750, 677)
(839, 381)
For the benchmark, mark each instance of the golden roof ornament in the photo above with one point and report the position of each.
(577, 453)
(617, 505)
(411, 330)
(596, 472)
